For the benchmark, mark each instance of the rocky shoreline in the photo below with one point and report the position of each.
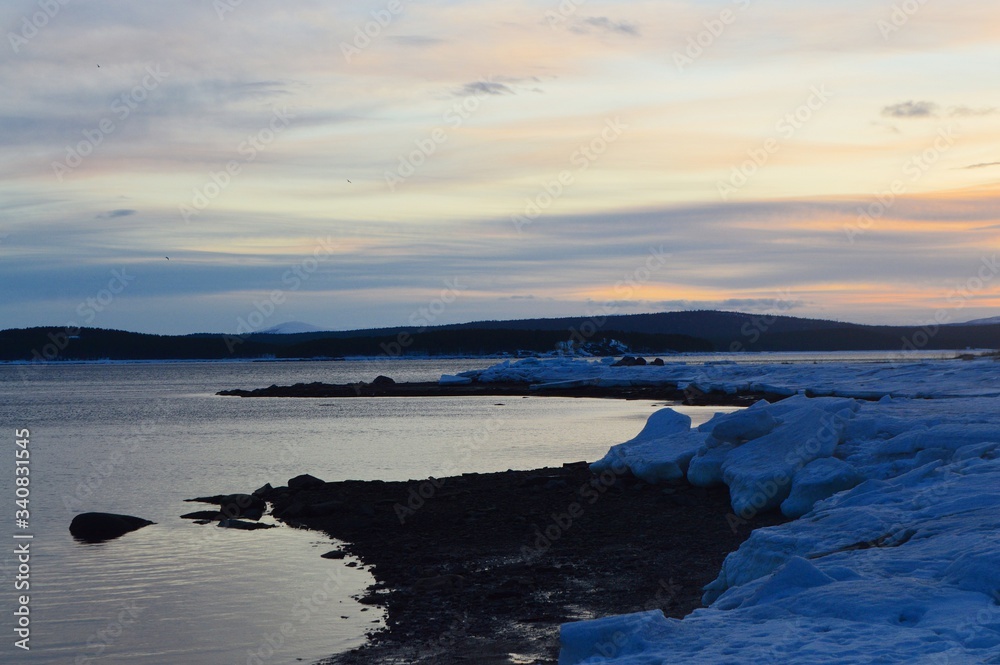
(483, 568)
(389, 388)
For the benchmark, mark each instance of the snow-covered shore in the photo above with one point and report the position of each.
(863, 380)
(895, 555)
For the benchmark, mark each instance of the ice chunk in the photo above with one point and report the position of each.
(660, 452)
(902, 568)
(608, 638)
(759, 473)
(948, 436)
(705, 468)
(744, 425)
(818, 480)
(450, 380)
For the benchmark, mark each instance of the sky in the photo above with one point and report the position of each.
(228, 165)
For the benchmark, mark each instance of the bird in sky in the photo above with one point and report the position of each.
(167, 258)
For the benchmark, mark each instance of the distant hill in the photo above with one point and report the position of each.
(643, 333)
(291, 328)
(993, 320)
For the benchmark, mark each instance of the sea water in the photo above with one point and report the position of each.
(139, 438)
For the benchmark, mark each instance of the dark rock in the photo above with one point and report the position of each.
(305, 482)
(658, 362)
(252, 513)
(98, 527)
(211, 515)
(321, 509)
(629, 361)
(291, 511)
(263, 491)
(383, 381)
(236, 505)
(246, 526)
(536, 481)
(242, 505)
(334, 554)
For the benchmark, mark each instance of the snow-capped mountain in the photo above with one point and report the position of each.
(291, 328)
(993, 320)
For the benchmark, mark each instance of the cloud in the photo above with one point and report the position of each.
(586, 26)
(911, 110)
(111, 214)
(484, 88)
(416, 40)
(967, 112)
(981, 166)
(927, 109)
(769, 305)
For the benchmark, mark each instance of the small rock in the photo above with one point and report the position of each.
(291, 511)
(235, 505)
(207, 515)
(98, 527)
(323, 508)
(383, 381)
(305, 482)
(334, 554)
(246, 526)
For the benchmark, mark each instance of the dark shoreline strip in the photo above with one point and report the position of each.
(666, 392)
(476, 567)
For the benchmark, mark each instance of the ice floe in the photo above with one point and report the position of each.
(895, 553)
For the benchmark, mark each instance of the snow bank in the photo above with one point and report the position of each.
(894, 557)
(759, 452)
(660, 452)
(860, 380)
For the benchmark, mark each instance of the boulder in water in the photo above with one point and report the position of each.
(98, 527)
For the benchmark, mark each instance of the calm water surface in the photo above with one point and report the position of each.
(141, 438)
